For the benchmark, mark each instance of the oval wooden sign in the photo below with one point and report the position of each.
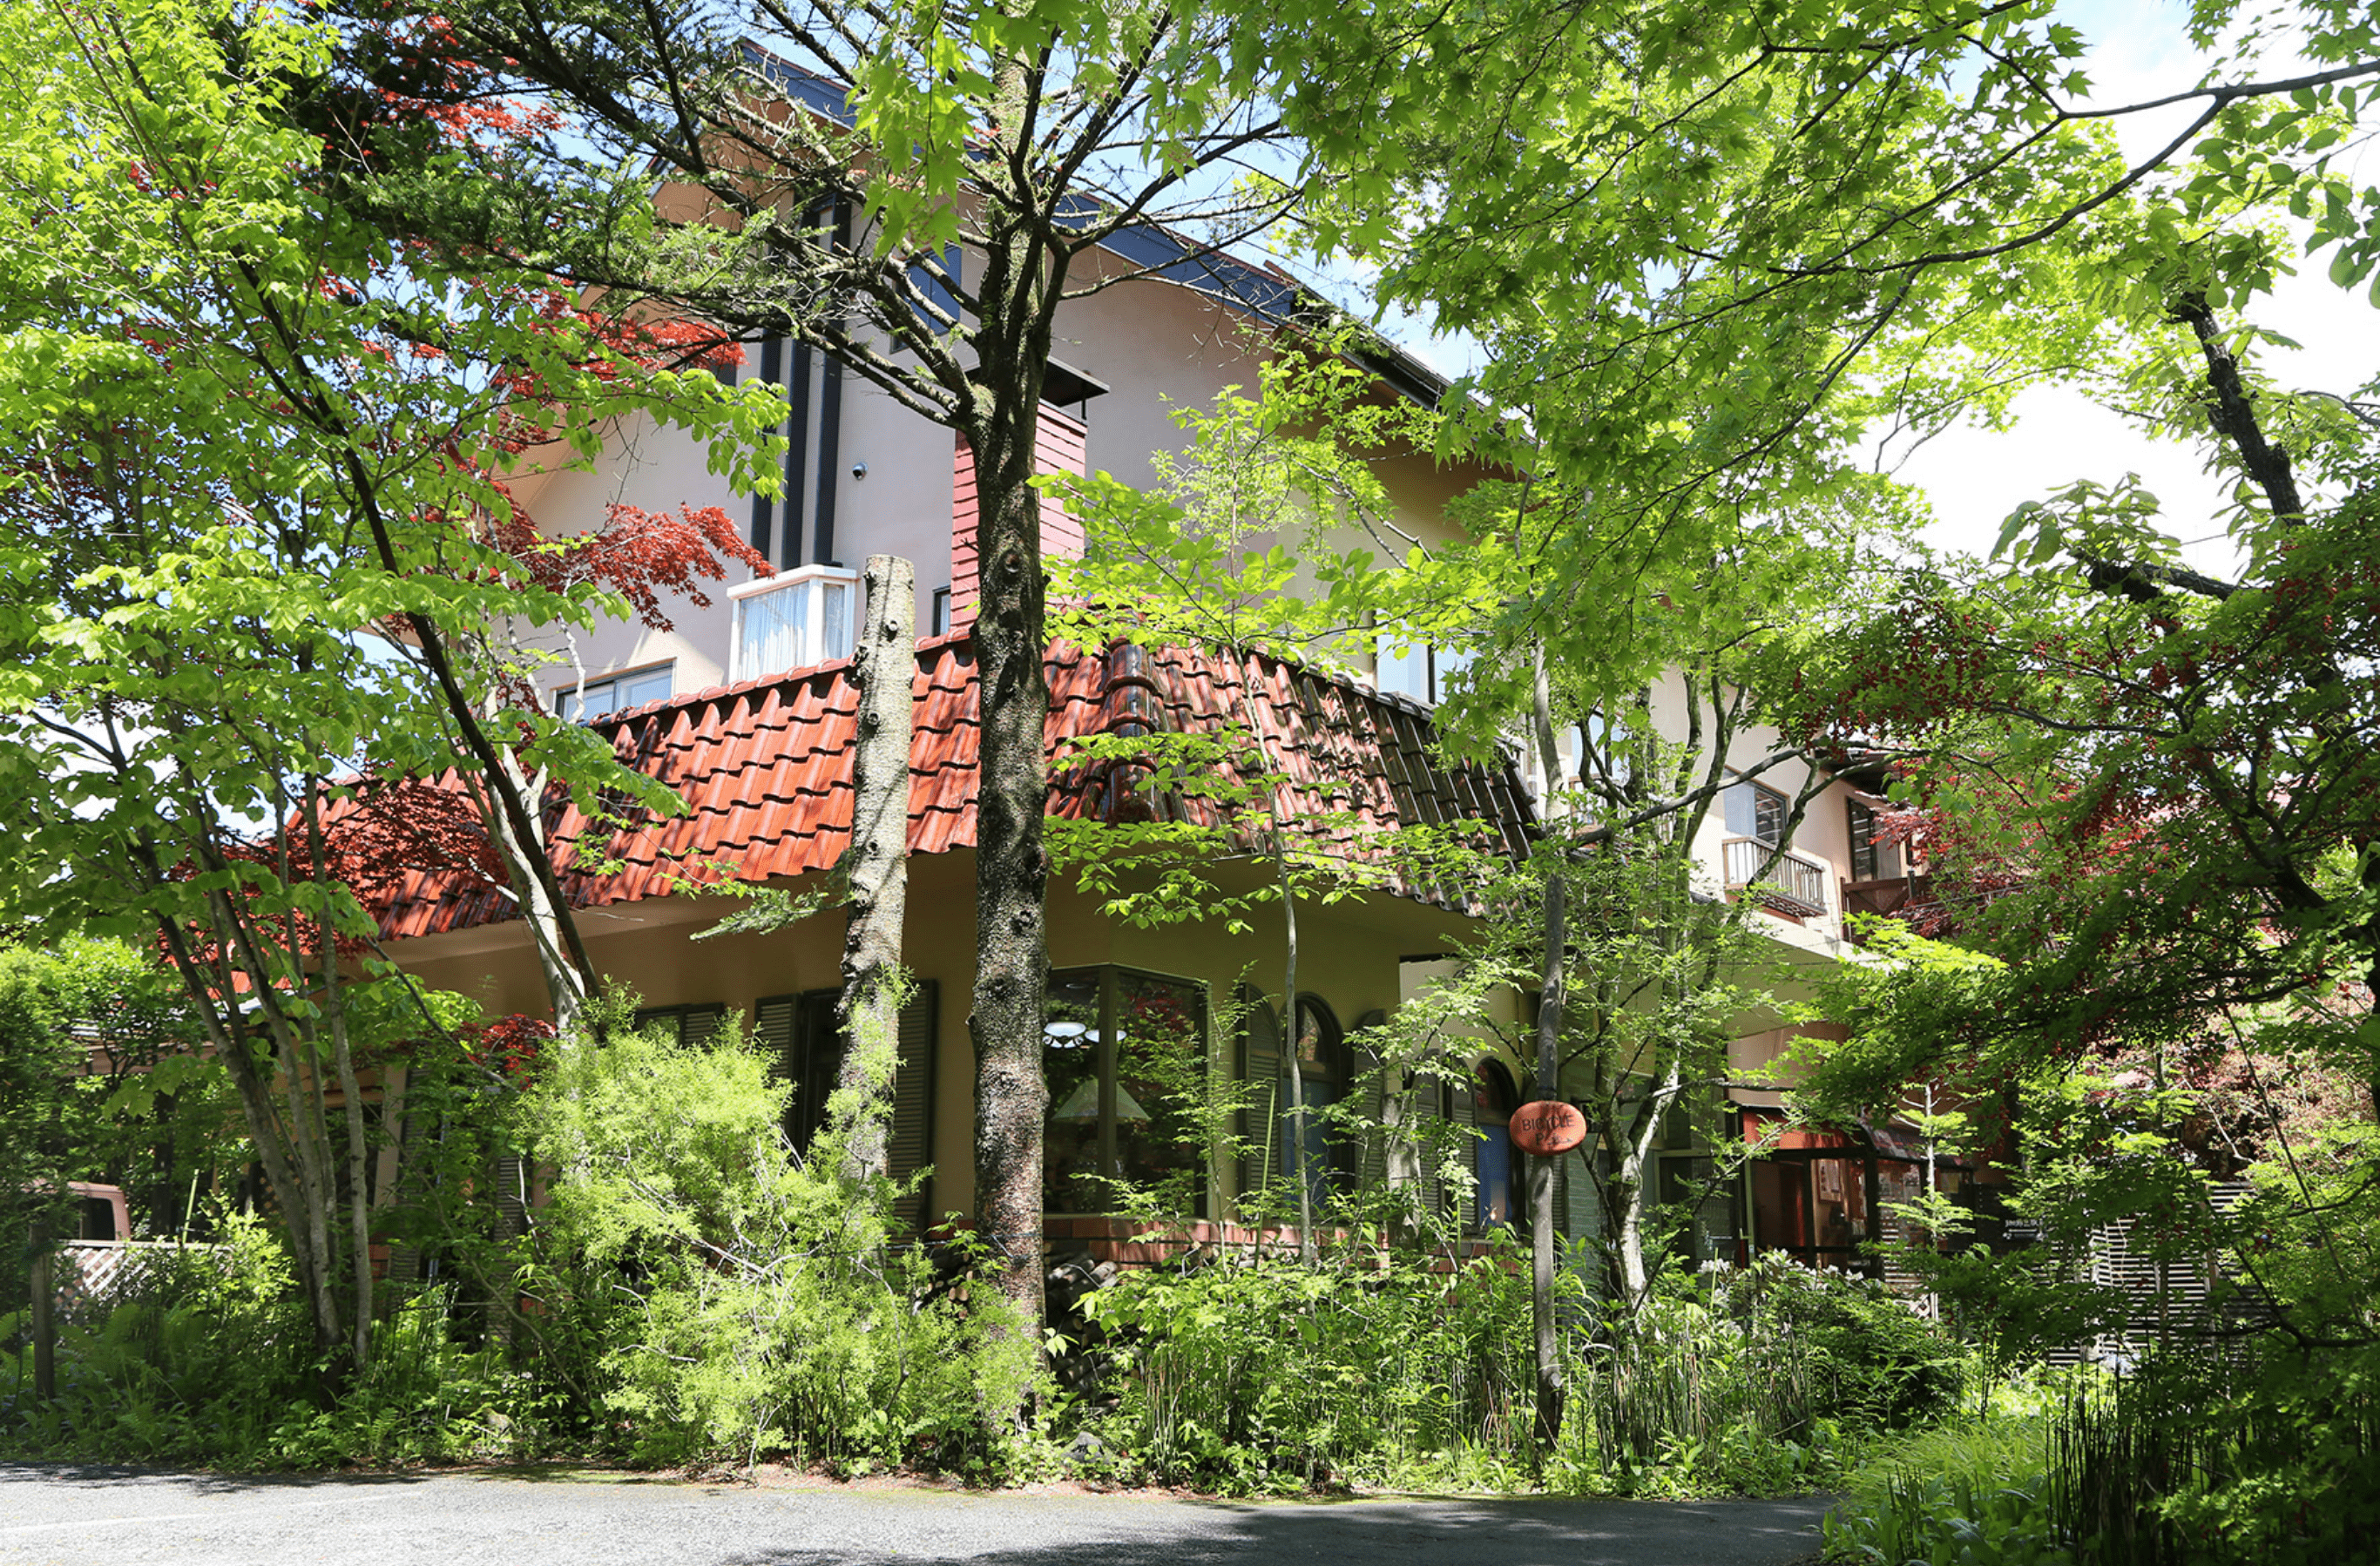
(1546, 1128)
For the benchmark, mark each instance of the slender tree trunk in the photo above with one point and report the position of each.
(568, 987)
(1542, 1233)
(1549, 1018)
(876, 866)
(1310, 1249)
(1011, 867)
(351, 1094)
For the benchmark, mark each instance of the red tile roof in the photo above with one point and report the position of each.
(765, 770)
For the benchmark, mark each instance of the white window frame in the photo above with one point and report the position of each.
(563, 695)
(811, 645)
(1435, 664)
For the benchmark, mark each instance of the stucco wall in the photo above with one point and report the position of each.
(1349, 954)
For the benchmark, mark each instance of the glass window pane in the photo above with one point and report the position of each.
(1071, 1174)
(769, 632)
(1736, 801)
(653, 685)
(1444, 667)
(1402, 669)
(835, 631)
(601, 696)
(1768, 815)
(1160, 1084)
(1320, 1092)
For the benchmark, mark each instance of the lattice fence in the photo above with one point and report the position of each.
(91, 1275)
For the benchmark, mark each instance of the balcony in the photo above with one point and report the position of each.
(1795, 884)
(1899, 894)
(795, 620)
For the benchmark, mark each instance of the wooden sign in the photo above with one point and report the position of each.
(1548, 1128)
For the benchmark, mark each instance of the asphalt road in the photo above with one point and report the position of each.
(51, 1513)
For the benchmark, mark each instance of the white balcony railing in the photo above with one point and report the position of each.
(1793, 884)
(793, 620)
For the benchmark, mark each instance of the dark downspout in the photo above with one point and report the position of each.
(764, 510)
(830, 426)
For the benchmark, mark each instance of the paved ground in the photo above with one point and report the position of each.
(75, 1516)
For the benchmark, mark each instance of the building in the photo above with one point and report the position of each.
(745, 708)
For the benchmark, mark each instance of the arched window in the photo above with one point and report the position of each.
(1124, 1055)
(1322, 1067)
(1486, 1102)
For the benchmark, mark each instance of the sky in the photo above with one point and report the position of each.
(1974, 477)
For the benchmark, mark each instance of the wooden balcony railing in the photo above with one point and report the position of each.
(1793, 884)
(1889, 894)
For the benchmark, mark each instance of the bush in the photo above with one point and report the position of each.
(2266, 1455)
(700, 1293)
(1954, 1496)
(1402, 1369)
(206, 1356)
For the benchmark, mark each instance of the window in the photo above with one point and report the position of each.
(1871, 860)
(793, 620)
(1415, 669)
(614, 693)
(1124, 1054)
(1322, 1068)
(692, 1027)
(1486, 1102)
(1754, 812)
(1268, 1125)
(942, 614)
(803, 1039)
(1691, 1180)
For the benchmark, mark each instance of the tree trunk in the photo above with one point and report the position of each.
(1309, 1248)
(351, 1096)
(1011, 945)
(876, 866)
(1541, 1177)
(1549, 1020)
(40, 1319)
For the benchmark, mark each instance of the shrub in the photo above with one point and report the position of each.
(2265, 1455)
(206, 1355)
(1402, 1367)
(702, 1293)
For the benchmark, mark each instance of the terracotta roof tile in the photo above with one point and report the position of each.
(765, 770)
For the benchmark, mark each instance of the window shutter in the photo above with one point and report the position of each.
(912, 1144)
(1862, 831)
(512, 1212)
(1581, 1200)
(701, 1026)
(1261, 1069)
(1372, 1168)
(772, 1030)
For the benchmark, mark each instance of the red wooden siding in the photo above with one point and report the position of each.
(1060, 445)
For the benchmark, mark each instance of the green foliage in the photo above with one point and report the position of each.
(1958, 1518)
(2269, 1452)
(95, 1079)
(1396, 1367)
(204, 1356)
(704, 1294)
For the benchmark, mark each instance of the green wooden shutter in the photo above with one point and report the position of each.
(772, 1030)
(1372, 1168)
(1261, 1069)
(912, 1141)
